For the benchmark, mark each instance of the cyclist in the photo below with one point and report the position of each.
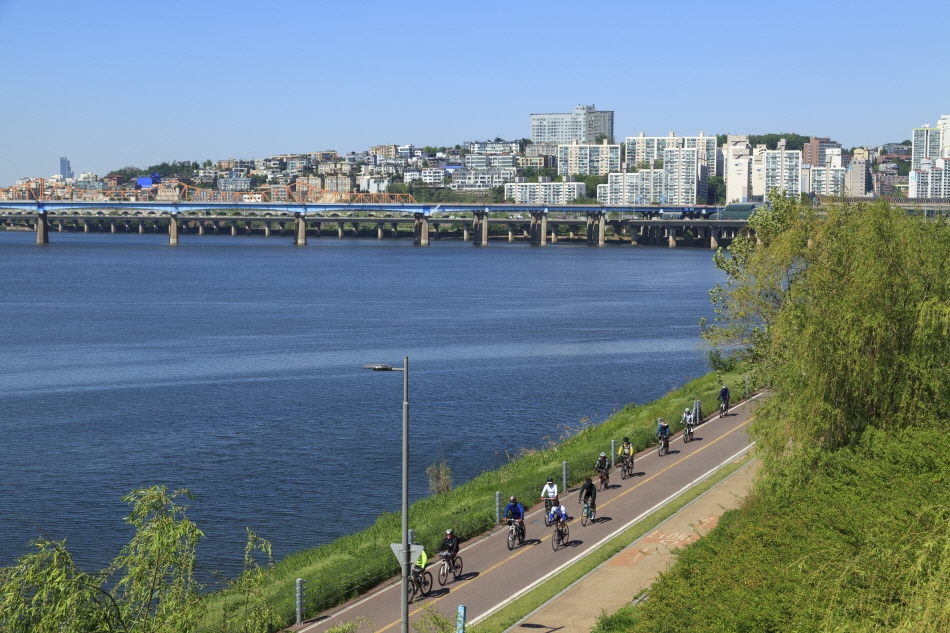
(601, 465)
(724, 396)
(663, 431)
(450, 546)
(550, 490)
(558, 515)
(514, 511)
(421, 562)
(588, 491)
(687, 418)
(625, 452)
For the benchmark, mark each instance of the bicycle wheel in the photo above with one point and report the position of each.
(600, 482)
(412, 589)
(521, 534)
(566, 536)
(458, 567)
(425, 584)
(606, 480)
(547, 509)
(584, 517)
(511, 539)
(444, 573)
(659, 451)
(555, 539)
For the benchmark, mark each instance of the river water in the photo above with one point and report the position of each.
(233, 367)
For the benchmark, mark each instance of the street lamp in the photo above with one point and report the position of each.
(405, 551)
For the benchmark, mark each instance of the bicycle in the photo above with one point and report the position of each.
(664, 448)
(626, 467)
(420, 582)
(723, 407)
(560, 536)
(450, 565)
(688, 433)
(515, 532)
(603, 480)
(587, 514)
(549, 502)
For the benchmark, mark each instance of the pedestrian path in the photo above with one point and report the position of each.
(628, 574)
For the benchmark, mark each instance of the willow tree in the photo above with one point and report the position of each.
(846, 316)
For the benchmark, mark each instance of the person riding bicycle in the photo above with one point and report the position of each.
(550, 489)
(600, 467)
(724, 396)
(663, 431)
(558, 515)
(687, 419)
(421, 562)
(625, 452)
(450, 545)
(588, 492)
(514, 511)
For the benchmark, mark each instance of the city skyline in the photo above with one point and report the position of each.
(214, 80)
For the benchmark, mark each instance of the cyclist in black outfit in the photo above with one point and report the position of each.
(588, 491)
(450, 544)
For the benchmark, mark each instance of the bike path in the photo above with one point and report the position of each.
(493, 575)
(631, 572)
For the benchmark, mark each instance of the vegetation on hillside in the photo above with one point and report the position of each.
(848, 318)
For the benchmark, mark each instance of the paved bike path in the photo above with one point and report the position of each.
(493, 574)
(615, 582)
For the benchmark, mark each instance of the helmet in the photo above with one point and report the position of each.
(588, 480)
(550, 480)
(448, 532)
(602, 454)
(686, 410)
(626, 440)
(512, 498)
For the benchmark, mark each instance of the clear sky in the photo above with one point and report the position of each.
(110, 84)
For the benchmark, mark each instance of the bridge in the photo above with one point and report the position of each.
(540, 225)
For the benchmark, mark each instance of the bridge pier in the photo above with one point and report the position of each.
(379, 230)
(554, 230)
(300, 230)
(356, 229)
(339, 229)
(42, 228)
(480, 228)
(112, 226)
(201, 228)
(539, 227)
(465, 233)
(713, 242)
(266, 229)
(59, 226)
(141, 227)
(395, 228)
(597, 228)
(511, 233)
(671, 235)
(173, 229)
(233, 229)
(420, 230)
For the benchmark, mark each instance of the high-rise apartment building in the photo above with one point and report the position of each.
(738, 169)
(583, 125)
(544, 192)
(932, 180)
(782, 170)
(685, 173)
(647, 186)
(64, 169)
(927, 142)
(643, 151)
(815, 150)
(582, 159)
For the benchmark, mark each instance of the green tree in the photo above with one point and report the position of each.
(716, 190)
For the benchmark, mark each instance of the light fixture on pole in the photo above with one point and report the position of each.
(404, 560)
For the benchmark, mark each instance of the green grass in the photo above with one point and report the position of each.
(863, 545)
(353, 564)
(512, 613)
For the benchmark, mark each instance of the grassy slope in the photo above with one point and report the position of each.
(863, 546)
(355, 563)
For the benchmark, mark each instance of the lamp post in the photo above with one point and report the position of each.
(405, 551)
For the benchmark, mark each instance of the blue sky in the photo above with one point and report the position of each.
(110, 84)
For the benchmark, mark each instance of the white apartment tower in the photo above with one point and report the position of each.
(738, 169)
(684, 171)
(643, 150)
(583, 125)
(782, 170)
(582, 159)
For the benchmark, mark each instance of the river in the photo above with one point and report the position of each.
(232, 366)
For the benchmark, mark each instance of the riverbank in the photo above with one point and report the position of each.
(353, 564)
